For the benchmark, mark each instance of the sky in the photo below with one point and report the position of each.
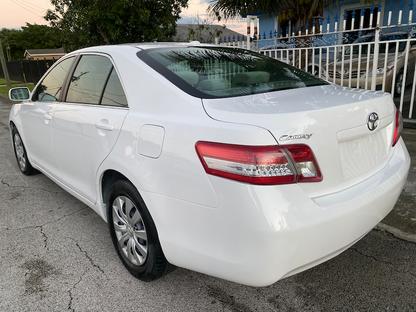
(15, 13)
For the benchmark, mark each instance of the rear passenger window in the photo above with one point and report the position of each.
(88, 80)
(114, 94)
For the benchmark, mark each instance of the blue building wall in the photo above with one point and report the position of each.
(267, 23)
(386, 6)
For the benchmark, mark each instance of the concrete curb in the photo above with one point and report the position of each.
(396, 232)
(18, 84)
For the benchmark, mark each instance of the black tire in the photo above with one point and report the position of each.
(398, 84)
(20, 152)
(138, 247)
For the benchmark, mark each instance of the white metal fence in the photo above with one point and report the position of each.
(383, 60)
(239, 42)
(358, 54)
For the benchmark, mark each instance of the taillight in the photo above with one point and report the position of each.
(267, 165)
(398, 127)
(306, 163)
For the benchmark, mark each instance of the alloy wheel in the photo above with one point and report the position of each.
(20, 151)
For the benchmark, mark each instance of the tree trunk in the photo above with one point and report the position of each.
(103, 34)
(4, 65)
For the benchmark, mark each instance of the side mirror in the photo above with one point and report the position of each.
(19, 94)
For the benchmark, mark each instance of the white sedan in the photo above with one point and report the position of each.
(213, 159)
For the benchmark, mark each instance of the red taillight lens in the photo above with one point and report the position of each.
(306, 163)
(267, 165)
(398, 127)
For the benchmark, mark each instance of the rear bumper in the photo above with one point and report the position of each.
(260, 234)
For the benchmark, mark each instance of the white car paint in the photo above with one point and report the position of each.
(34, 120)
(83, 136)
(348, 153)
(250, 234)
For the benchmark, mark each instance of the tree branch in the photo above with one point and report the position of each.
(103, 34)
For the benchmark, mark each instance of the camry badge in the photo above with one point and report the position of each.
(372, 121)
(295, 137)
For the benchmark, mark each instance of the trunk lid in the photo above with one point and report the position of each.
(332, 120)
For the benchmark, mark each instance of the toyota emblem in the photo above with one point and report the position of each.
(372, 121)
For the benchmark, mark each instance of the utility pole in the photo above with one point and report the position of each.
(4, 66)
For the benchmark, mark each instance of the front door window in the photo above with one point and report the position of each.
(51, 86)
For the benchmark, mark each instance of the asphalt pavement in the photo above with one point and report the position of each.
(56, 254)
(401, 221)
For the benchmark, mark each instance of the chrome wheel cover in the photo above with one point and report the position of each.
(20, 151)
(130, 230)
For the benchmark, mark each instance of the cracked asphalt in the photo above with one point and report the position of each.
(56, 255)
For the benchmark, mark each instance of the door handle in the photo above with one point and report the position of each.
(104, 126)
(47, 117)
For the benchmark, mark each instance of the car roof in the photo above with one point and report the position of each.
(153, 45)
(143, 46)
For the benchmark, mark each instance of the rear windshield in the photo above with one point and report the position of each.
(224, 72)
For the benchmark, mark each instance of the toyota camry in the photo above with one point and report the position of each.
(214, 159)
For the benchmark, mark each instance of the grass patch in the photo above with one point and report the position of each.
(4, 91)
(3, 81)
